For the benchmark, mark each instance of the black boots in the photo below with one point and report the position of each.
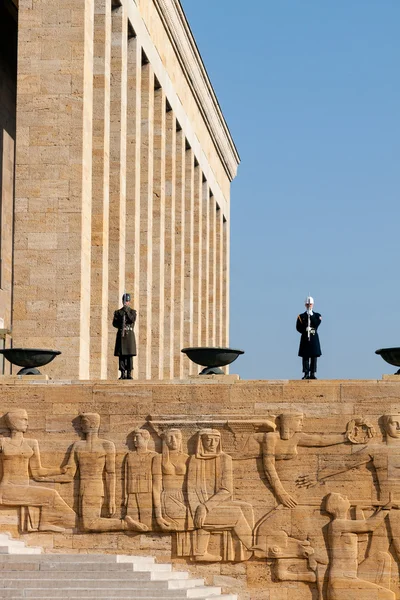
(123, 375)
(129, 375)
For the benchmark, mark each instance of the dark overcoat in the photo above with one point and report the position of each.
(309, 348)
(125, 345)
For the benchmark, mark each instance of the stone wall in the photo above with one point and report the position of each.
(8, 76)
(271, 473)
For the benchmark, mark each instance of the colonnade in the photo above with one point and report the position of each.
(157, 229)
(123, 171)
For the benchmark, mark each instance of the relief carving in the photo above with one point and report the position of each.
(326, 542)
(93, 458)
(170, 490)
(344, 581)
(138, 487)
(20, 457)
(283, 444)
(210, 493)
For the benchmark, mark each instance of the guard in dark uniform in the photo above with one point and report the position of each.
(307, 324)
(125, 344)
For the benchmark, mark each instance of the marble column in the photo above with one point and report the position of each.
(179, 279)
(146, 222)
(157, 305)
(170, 245)
(133, 150)
(100, 190)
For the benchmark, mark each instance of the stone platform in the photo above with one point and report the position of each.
(261, 456)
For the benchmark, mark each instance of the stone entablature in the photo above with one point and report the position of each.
(268, 488)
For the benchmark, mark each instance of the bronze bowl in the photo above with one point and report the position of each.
(212, 358)
(29, 358)
(391, 356)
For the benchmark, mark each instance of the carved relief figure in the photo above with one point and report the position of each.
(94, 458)
(385, 457)
(283, 444)
(20, 458)
(344, 582)
(210, 491)
(170, 489)
(138, 490)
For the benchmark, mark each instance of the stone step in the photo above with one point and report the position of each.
(204, 591)
(133, 593)
(83, 583)
(19, 550)
(60, 575)
(70, 567)
(181, 584)
(80, 558)
(11, 546)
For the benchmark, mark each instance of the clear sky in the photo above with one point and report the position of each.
(311, 92)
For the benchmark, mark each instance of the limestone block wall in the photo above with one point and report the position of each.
(271, 489)
(124, 164)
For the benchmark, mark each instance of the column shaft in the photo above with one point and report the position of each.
(170, 242)
(212, 292)
(197, 255)
(100, 190)
(219, 280)
(157, 359)
(179, 279)
(189, 275)
(133, 151)
(225, 283)
(146, 223)
(116, 277)
(205, 275)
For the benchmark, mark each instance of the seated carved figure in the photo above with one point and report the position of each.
(344, 582)
(21, 456)
(210, 491)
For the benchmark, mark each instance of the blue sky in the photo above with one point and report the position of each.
(311, 93)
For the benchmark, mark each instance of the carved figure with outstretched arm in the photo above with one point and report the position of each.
(282, 445)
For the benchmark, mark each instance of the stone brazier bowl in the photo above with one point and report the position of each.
(212, 358)
(29, 358)
(391, 356)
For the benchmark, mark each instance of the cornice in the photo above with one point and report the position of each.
(179, 32)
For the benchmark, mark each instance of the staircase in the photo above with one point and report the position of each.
(27, 573)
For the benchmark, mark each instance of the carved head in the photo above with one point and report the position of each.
(391, 425)
(140, 438)
(90, 422)
(289, 424)
(173, 439)
(337, 505)
(208, 443)
(17, 420)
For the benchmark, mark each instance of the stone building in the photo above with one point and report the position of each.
(123, 167)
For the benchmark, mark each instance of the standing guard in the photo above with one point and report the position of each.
(307, 324)
(125, 343)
